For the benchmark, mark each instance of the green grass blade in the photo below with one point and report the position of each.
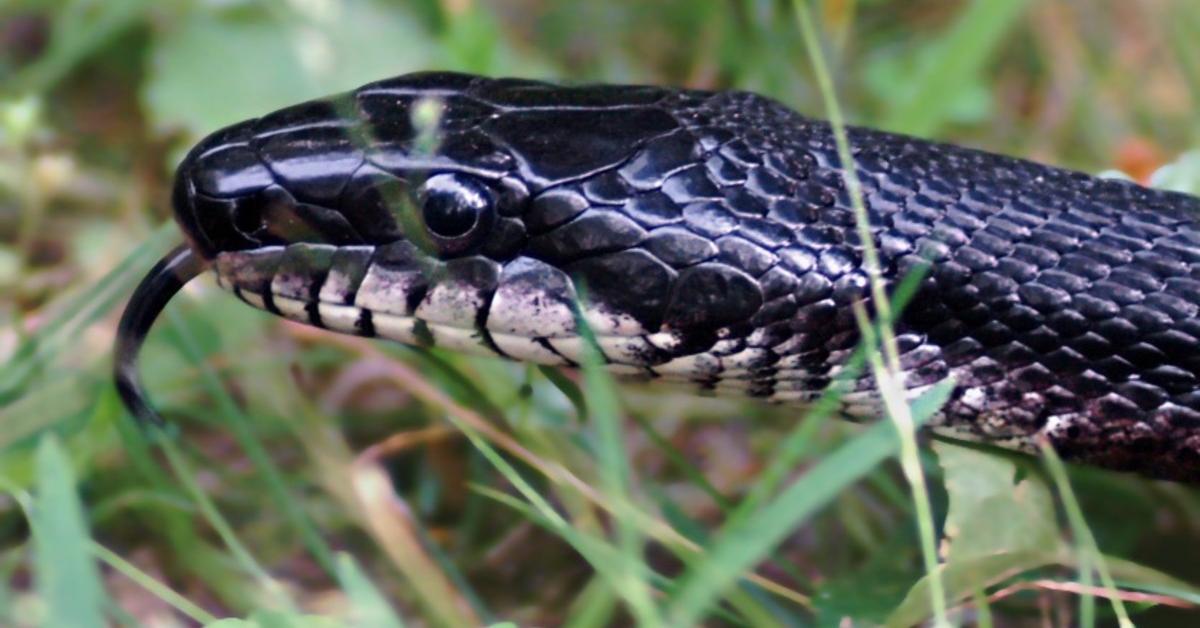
(738, 547)
(885, 362)
(958, 58)
(369, 606)
(1089, 555)
(66, 576)
(187, 477)
(603, 413)
(75, 313)
(277, 487)
(147, 582)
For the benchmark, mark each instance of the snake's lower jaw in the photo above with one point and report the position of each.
(522, 308)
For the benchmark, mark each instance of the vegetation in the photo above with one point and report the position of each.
(310, 479)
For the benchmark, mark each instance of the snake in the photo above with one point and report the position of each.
(706, 238)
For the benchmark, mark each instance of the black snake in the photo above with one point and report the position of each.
(715, 240)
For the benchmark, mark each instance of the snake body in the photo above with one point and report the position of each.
(706, 237)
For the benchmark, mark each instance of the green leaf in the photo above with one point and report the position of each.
(931, 401)
(954, 60)
(276, 619)
(369, 606)
(989, 512)
(1182, 175)
(996, 527)
(962, 578)
(212, 70)
(65, 573)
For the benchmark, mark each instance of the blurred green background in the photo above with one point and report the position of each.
(272, 479)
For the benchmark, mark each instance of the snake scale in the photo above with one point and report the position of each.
(705, 237)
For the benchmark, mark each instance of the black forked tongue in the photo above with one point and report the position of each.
(164, 280)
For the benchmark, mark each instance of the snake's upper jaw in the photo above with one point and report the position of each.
(163, 281)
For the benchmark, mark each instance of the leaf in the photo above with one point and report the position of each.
(929, 402)
(995, 528)
(870, 592)
(962, 578)
(369, 606)
(276, 619)
(1131, 575)
(956, 59)
(1182, 175)
(210, 70)
(989, 513)
(65, 573)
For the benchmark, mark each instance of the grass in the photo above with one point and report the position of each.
(320, 480)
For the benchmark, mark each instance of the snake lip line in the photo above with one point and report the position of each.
(713, 237)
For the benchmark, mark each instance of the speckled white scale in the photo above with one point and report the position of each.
(604, 322)
(451, 303)
(626, 370)
(691, 366)
(794, 396)
(459, 339)
(744, 359)
(385, 290)
(529, 349)
(529, 313)
(667, 341)
(570, 348)
(338, 287)
(398, 328)
(624, 350)
(343, 318)
(292, 309)
(253, 298)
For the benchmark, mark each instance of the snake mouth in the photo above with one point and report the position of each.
(522, 309)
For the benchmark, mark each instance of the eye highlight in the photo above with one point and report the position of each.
(456, 210)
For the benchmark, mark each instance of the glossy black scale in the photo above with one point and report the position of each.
(1064, 305)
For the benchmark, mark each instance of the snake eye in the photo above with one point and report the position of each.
(456, 209)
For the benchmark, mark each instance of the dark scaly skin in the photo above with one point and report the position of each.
(716, 242)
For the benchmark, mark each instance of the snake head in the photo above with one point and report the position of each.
(475, 213)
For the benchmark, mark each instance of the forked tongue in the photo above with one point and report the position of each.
(170, 274)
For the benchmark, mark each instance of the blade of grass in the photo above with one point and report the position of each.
(601, 400)
(391, 523)
(240, 424)
(594, 607)
(886, 367)
(410, 381)
(360, 488)
(199, 558)
(186, 477)
(738, 547)
(680, 462)
(153, 586)
(72, 314)
(604, 557)
(66, 576)
(960, 55)
(369, 606)
(1089, 553)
